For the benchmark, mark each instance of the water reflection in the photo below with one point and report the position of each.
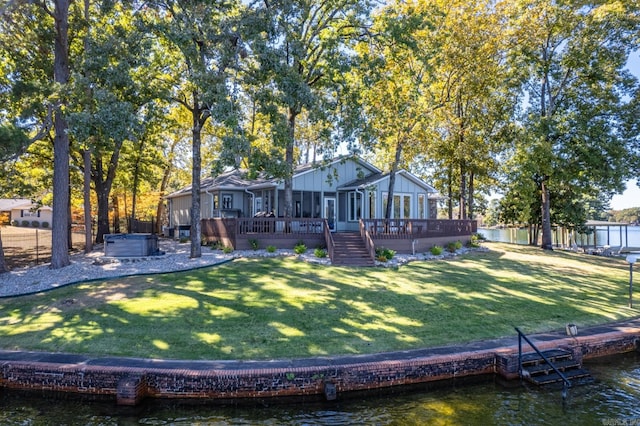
(613, 399)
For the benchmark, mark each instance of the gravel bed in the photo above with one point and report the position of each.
(94, 266)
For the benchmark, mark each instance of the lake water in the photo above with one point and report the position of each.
(612, 400)
(614, 236)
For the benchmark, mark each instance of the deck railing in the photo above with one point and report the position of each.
(417, 228)
(284, 226)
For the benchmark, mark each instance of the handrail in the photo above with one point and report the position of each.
(328, 238)
(368, 241)
(521, 336)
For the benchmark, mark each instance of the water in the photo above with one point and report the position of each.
(613, 237)
(612, 400)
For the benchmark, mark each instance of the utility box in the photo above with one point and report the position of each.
(131, 245)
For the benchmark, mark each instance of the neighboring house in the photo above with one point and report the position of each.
(342, 191)
(22, 210)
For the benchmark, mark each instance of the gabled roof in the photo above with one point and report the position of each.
(310, 167)
(378, 177)
(232, 180)
(7, 204)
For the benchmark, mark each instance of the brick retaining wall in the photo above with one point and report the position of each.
(129, 385)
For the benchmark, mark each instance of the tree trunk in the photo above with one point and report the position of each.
(470, 203)
(102, 197)
(136, 181)
(115, 203)
(86, 193)
(462, 210)
(60, 222)
(196, 227)
(450, 193)
(288, 158)
(3, 264)
(392, 180)
(547, 243)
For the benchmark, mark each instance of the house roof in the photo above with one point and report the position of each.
(8, 204)
(236, 180)
(377, 177)
(232, 180)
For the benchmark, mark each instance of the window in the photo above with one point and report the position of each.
(354, 206)
(227, 201)
(29, 213)
(401, 207)
(422, 212)
(372, 205)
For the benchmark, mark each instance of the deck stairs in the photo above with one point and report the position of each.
(350, 250)
(537, 371)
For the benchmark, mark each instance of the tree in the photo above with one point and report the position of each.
(575, 57)
(397, 82)
(301, 53)
(205, 36)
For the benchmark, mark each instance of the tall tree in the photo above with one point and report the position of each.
(207, 42)
(397, 81)
(575, 55)
(301, 56)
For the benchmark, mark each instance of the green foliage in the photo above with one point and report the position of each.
(14, 223)
(436, 250)
(271, 249)
(320, 253)
(388, 254)
(253, 243)
(227, 249)
(45, 224)
(300, 248)
(453, 246)
(25, 223)
(35, 224)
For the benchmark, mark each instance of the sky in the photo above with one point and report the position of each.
(631, 197)
(628, 199)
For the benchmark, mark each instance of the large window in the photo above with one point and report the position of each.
(354, 206)
(401, 207)
(422, 211)
(372, 205)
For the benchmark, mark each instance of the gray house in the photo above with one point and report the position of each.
(342, 191)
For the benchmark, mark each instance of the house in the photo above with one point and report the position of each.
(339, 204)
(343, 191)
(23, 212)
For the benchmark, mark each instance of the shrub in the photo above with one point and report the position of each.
(271, 249)
(300, 248)
(45, 224)
(227, 249)
(184, 239)
(35, 224)
(452, 247)
(475, 240)
(25, 223)
(436, 250)
(381, 258)
(388, 254)
(14, 223)
(320, 253)
(253, 243)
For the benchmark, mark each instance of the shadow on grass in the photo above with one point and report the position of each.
(281, 307)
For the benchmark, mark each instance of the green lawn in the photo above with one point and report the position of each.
(283, 307)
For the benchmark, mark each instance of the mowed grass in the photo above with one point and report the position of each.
(283, 307)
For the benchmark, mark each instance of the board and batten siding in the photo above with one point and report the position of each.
(318, 179)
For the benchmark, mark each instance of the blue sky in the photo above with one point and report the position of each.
(631, 197)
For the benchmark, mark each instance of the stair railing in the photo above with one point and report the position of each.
(521, 336)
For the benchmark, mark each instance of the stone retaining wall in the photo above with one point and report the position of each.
(129, 385)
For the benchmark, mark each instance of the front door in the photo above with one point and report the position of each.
(330, 212)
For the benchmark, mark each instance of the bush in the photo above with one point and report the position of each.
(382, 258)
(300, 248)
(452, 247)
(436, 250)
(271, 249)
(227, 249)
(184, 239)
(388, 254)
(253, 243)
(45, 224)
(25, 223)
(475, 240)
(320, 253)
(14, 223)
(35, 224)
